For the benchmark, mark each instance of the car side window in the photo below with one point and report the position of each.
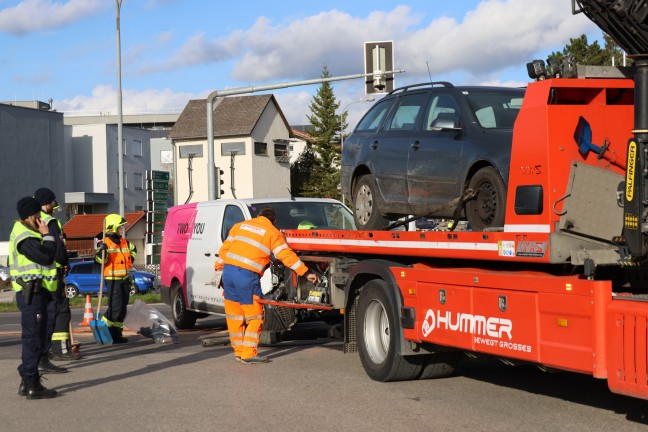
(85, 268)
(232, 215)
(372, 120)
(442, 107)
(406, 116)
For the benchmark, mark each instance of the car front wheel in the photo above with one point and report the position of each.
(365, 206)
(487, 209)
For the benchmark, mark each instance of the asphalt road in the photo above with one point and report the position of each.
(309, 385)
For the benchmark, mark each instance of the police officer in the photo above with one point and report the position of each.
(58, 346)
(31, 264)
(119, 257)
(244, 256)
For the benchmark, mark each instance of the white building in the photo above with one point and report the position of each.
(251, 147)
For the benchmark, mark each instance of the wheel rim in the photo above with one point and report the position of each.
(71, 292)
(486, 203)
(376, 332)
(363, 204)
(178, 305)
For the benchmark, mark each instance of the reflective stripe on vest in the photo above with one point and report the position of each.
(22, 267)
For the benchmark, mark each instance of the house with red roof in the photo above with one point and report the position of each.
(84, 230)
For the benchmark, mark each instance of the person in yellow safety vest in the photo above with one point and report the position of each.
(31, 265)
(119, 257)
(58, 346)
(243, 258)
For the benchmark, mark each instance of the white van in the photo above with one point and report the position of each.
(194, 233)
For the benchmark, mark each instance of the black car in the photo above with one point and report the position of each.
(422, 146)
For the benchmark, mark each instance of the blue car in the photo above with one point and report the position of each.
(84, 278)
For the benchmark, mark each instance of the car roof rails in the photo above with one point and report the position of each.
(427, 84)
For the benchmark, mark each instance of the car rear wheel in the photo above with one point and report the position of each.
(365, 206)
(487, 209)
(71, 291)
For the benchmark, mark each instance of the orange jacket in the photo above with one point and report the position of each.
(250, 243)
(119, 258)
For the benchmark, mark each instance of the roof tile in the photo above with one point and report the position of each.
(91, 225)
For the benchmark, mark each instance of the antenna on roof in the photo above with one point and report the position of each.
(428, 68)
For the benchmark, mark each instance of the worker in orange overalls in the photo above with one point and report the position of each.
(244, 256)
(119, 257)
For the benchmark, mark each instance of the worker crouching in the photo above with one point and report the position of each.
(243, 258)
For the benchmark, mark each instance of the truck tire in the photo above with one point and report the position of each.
(487, 210)
(378, 337)
(182, 318)
(365, 205)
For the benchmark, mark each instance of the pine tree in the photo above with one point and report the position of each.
(584, 53)
(317, 172)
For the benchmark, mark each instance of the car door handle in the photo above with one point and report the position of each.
(416, 145)
(374, 145)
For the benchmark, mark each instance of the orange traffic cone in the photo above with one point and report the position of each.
(87, 312)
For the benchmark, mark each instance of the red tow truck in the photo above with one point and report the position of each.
(563, 284)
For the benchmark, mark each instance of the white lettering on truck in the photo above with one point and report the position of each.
(467, 323)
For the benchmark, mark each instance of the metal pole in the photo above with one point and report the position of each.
(241, 90)
(120, 145)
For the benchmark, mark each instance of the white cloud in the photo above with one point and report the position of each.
(488, 39)
(104, 99)
(34, 15)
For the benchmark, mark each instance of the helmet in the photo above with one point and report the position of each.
(113, 222)
(306, 224)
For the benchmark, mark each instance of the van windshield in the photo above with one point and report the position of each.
(308, 215)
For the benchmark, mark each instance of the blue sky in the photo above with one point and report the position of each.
(176, 50)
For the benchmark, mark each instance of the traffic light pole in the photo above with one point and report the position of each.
(211, 166)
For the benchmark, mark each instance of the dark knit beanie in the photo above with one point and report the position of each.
(44, 196)
(27, 206)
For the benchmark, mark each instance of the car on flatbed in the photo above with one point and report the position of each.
(423, 146)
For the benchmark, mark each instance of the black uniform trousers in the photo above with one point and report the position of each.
(118, 296)
(62, 315)
(35, 329)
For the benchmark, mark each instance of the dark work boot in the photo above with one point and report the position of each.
(62, 351)
(116, 334)
(46, 366)
(35, 390)
(22, 389)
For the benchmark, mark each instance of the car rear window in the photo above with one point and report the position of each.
(496, 109)
(372, 120)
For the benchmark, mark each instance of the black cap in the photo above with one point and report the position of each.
(45, 196)
(27, 206)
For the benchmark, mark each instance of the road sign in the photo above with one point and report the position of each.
(152, 259)
(157, 175)
(153, 237)
(153, 227)
(157, 206)
(379, 58)
(157, 185)
(153, 195)
(155, 216)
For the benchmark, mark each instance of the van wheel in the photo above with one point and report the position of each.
(488, 207)
(182, 318)
(379, 335)
(365, 205)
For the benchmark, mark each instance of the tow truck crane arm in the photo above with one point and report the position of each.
(626, 21)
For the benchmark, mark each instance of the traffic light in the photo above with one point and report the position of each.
(219, 182)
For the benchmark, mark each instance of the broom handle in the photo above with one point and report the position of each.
(101, 277)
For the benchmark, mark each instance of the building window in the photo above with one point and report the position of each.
(139, 208)
(166, 156)
(138, 181)
(261, 149)
(137, 148)
(281, 153)
(124, 147)
(125, 181)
